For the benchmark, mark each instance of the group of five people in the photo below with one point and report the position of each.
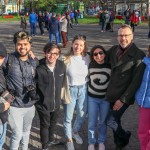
(102, 85)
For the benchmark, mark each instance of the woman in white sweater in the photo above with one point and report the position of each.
(77, 62)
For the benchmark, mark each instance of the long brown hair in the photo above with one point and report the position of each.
(78, 37)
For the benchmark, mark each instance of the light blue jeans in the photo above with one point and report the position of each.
(56, 37)
(3, 128)
(20, 120)
(98, 110)
(32, 28)
(78, 100)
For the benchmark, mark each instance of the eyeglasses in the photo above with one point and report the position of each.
(52, 54)
(125, 35)
(100, 53)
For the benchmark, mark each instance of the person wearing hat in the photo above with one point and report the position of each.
(21, 81)
(5, 98)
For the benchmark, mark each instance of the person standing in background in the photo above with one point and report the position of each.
(134, 20)
(63, 29)
(23, 23)
(54, 27)
(46, 19)
(111, 21)
(71, 16)
(102, 20)
(33, 23)
(41, 23)
(76, 14)
(60, 36)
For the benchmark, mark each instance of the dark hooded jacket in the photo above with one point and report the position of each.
(49, 85)
(54, 25)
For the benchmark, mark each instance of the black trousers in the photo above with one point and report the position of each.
(48, 121)
(114, 122)
(41, 28)
(149, 34)
(132, 26)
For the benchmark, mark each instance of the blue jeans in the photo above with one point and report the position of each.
(60, 37)
(3, 128)
(78, 99)
(32, 28)
(103, 25)
(20, 120)
(56, 37)
(98, 110)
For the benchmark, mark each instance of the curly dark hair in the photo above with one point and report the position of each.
(21, 35)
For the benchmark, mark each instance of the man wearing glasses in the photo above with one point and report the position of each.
(127, 72)
(50, 79)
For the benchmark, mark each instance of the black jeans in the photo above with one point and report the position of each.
(114, 122)
(48, 121)
(41, 28)
(132, 26)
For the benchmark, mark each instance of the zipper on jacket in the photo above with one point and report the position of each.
(54, 89)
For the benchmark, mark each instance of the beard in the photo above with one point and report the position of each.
(23, 54)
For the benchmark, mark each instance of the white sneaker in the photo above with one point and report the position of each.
(101, 146)
(70, 146)
(91, 147)
(77, 138)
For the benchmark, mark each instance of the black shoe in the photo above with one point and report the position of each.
(126, 138)
(122, 141)
(55, 142)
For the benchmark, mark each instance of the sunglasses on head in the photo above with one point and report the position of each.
(100, 53)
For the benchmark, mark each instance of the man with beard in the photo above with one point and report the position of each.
(126, 76)
(20, 73)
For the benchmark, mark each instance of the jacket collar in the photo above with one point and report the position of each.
(130, 54)
(44, 65)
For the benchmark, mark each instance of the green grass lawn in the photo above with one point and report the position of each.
(85, 20)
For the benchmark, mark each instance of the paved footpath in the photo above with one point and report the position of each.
(94, 37)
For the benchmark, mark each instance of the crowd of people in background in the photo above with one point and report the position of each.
(57, 25)
(106, 19)
(60, 31)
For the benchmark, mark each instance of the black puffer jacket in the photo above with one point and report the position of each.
(49, 85)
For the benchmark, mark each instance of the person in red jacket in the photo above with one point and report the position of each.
(134, 20)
